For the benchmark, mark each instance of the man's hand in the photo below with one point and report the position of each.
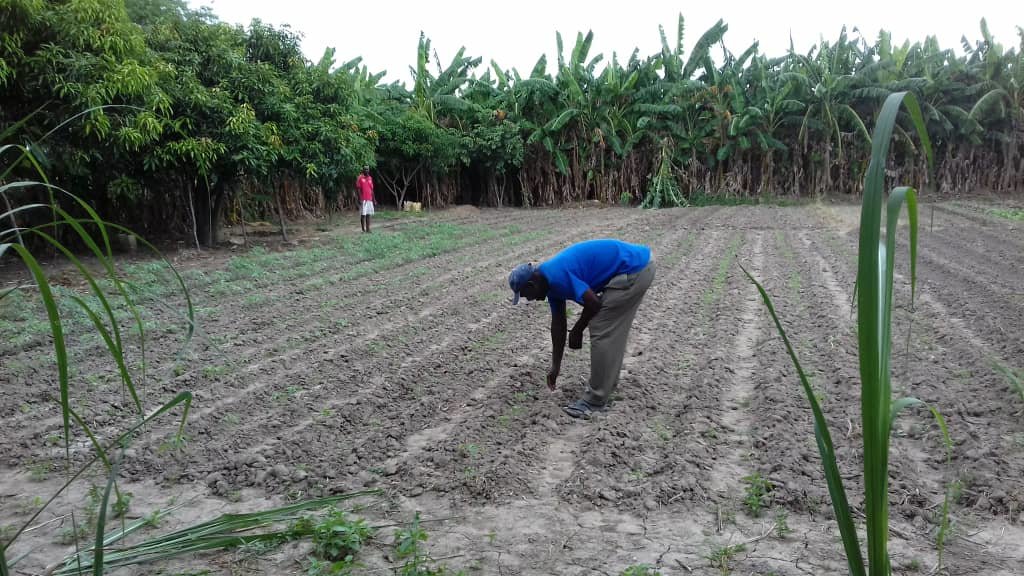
(575, 339)
(552, 378)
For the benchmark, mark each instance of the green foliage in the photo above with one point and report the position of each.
(1014, 377)
(6, 532)
(945, 521)
(339, 538)
(664, 190)
(782, 524)
(122, 504)
(204, 108)
(206, 120)
(224, 532)
(410, 542)
(757, 493)
(722, 557)
(712, 293)
(1008, 213)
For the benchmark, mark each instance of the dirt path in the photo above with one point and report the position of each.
(730, 468)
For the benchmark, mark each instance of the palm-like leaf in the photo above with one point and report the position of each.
(701, 49)
(991, 105)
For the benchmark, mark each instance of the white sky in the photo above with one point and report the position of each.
(516, 33)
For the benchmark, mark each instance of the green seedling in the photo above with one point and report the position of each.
(782, 528)
(121, 504)
(722, 558)
(757, 491)
(661, 431)
(39, 471)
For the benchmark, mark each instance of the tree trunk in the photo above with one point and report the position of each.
(827, 180)
(280, 214)
(192, 212)
(207, 212)
(217, 216)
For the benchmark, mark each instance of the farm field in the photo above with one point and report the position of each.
(395, 361)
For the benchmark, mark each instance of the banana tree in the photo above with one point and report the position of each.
(735, 123)
(773, 110)
(826, 76)
(1001, 107)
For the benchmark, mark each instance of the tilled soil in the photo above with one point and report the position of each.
(420, 378)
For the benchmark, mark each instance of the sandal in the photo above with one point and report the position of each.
(582, 409)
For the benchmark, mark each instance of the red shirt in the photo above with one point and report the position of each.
(365, 186)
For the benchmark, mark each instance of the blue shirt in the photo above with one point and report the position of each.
(590, 265)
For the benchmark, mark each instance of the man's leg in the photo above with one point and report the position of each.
(609, 334)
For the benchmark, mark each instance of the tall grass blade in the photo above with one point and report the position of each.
(101, 452)
(875, 270)
(103, 318)
(114, 344)
(107, 260)
(24, 120)
(26, 154)
(840, 505)
(137, 525)
(115, 349)
(873, 295)
(8, 291)
(57, 331)
(101, 522)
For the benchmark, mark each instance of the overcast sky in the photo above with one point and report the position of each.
(516, 33)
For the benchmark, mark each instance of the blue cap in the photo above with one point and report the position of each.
(518, 278)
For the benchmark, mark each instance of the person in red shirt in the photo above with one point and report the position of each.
(364, 187)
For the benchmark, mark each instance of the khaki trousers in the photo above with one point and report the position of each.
(609, 331)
